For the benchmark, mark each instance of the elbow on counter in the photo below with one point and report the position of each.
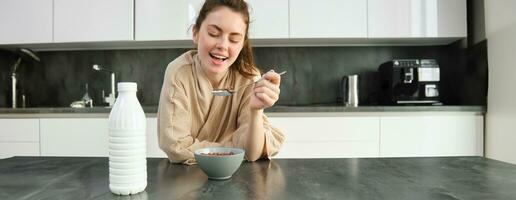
(252, 156)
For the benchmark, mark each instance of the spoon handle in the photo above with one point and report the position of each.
(261, 78)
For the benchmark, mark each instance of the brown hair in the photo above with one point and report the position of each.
(244, 63)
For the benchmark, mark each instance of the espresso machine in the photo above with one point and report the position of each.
(409, 81)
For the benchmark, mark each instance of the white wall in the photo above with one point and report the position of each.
(501, 108)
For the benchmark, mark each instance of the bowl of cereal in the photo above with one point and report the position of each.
(219, 163)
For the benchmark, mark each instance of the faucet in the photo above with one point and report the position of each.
(88, 101)
(110, 99)
(13, 82)
(22, 53)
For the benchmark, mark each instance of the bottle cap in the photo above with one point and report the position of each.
(126, 86)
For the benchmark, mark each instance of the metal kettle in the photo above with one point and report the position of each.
(349, 88)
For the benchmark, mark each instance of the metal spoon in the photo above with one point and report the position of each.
(229, 92)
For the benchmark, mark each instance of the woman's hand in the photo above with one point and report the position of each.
(266, 92)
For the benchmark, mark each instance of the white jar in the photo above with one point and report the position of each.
(127, 145)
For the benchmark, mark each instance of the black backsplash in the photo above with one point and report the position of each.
(314, 73)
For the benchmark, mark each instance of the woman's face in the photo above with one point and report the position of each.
(220, 40)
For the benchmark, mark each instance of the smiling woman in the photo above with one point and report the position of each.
(190, 117)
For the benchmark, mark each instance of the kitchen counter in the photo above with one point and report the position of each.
(365, 178)
(275, 109)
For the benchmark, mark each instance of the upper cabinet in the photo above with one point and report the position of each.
(328, 19)
(416, 18)
(93, 20)
(268, 19)
(25, 21)
(173, 20)
(62, 24)
(165, 19)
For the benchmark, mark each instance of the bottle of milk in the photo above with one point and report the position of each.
(127, 156)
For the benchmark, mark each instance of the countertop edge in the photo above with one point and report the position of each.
(276, 111)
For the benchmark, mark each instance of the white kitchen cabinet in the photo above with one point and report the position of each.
(74, 137)
(328, 19)
(19, 137)
(153, 149)
(86, 137)
(25, 21)
(19, 130)
(311, 136)
(173, 20)
(419, 136)
(328, 137)
(268, 19)
(10, 149)
(165, 19)
(93, 20)
(416, 18)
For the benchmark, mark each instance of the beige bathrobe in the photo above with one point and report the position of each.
(190, 117)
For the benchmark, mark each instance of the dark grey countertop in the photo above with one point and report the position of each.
(274, 109)
(364, 178)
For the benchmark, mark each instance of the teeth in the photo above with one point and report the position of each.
(218, 57)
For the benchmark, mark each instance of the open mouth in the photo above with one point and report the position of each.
(217, 57)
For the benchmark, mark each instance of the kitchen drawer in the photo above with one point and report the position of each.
(87, 137)
(420, 136)
(8, 149)
(19, 130)
(362, 128)
(330, 149)
(74, 137)
(153, 150)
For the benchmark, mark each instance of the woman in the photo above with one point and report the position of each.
(190, 117)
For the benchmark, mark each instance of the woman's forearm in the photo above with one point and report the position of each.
(256, 140)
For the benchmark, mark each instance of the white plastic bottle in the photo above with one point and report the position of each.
(127, 145)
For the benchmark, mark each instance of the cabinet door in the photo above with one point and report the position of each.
(416, 18)
(19, 130)
(25, 21)
(269, 19)
(328, 137)
(408, 136)
(452, 18)
(165, 19)
(93, 20)
(87, 137)
(19, 137)
(74, 137)
(328, 18)
(9, 149)
(153, 149)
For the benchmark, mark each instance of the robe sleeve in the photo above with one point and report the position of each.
(174, 123)
(273, 137)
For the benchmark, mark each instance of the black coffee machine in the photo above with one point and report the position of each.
(409, 81)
